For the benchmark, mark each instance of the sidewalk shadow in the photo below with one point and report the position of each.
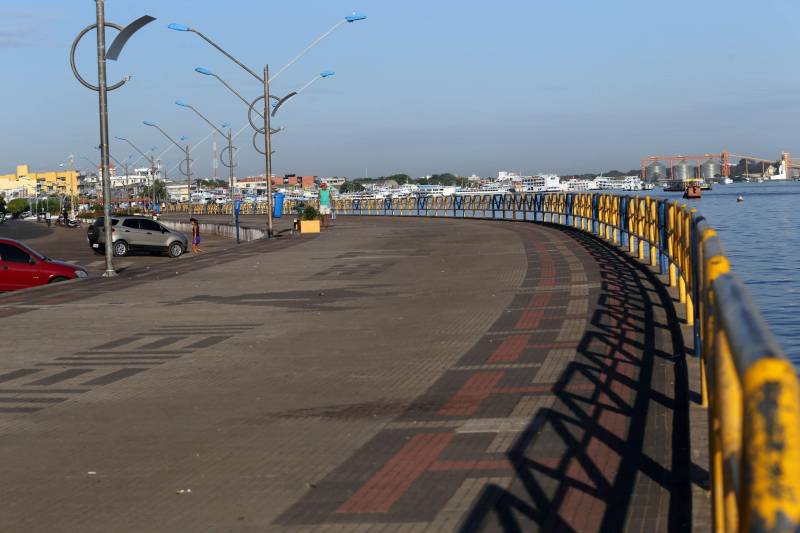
(617, 455)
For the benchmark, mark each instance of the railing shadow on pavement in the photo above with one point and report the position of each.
(588, 478)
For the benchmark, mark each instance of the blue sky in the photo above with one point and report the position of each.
(421, 86)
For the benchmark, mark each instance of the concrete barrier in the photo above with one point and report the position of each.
(222, 230)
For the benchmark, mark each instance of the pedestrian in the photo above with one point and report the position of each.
(195, 235)
(325, 204)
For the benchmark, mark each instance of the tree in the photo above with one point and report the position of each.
(160, 190)
(351, 186)
(2, 204)
(17, 206)
(401, 179)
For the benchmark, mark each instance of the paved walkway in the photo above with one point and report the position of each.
(387, 375)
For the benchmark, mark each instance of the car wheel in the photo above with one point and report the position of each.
(57, 279)
(175, 249)
(121, 248)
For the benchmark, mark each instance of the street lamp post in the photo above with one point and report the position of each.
(102, 89)
(230, 164)
(149, 159)
(187, 160)
(273, 131)
(71, 168)
(123, 165)
(266, 131)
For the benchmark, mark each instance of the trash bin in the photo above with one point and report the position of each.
(277, 209)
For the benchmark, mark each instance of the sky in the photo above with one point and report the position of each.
(421, 86)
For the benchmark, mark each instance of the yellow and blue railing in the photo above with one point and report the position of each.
(749, 386)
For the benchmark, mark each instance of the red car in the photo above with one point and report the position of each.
(22, 267)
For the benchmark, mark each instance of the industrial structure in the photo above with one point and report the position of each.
(710, 166)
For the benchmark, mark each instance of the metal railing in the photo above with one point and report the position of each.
(749, 386)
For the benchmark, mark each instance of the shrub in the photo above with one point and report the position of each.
(310, 213)
(17, 206)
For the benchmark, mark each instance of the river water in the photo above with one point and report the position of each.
(761, 237)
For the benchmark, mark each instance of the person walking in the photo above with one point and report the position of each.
(195, 235)
(325, 204)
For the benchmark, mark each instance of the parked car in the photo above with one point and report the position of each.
(137, 233)
(21, 267)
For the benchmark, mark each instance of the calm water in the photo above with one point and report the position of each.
(762, 239)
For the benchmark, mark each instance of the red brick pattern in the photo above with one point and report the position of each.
(470, 397)
(395, 477)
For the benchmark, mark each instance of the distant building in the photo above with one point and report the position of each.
(335, 182)
(507, 176)
(24, 183)
(177, 192)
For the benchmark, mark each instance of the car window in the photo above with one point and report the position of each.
(149, 225)
(12, 254)
(100, 220)
(131, 223)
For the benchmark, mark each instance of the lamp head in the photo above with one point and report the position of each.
(182, 103)
(184, 138)
(326, 73)
(203, 71)
(179, 27)
(225, 125)
(148, 123)
(355, 17)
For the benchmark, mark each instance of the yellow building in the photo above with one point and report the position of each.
(25, 183)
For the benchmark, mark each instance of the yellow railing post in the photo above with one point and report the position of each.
(771, 491)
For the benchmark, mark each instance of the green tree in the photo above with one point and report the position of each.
(17, 206)
(2, 203)
(160, 190)
(351, 186)
(401, 179)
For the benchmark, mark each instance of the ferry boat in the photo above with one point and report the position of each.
(693, 189)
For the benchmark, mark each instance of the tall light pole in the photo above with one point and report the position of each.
(149, 159)
(187, 159)
(70, 164)
(264, 80)
(102, 89)
(124, 165)
(230, 164)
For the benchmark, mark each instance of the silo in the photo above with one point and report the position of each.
(655, 171)
(709, 170)
(682, 171)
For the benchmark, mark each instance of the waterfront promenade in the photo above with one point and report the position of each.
(388, 374)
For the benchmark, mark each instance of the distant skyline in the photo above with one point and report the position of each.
(420, 87)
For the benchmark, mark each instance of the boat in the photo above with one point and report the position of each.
(693, 190)
(675, 186)
(705, 186)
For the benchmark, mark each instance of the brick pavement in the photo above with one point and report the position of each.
(389, 375)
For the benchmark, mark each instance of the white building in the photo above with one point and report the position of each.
(177, 192)
(541, 183)
(507, 176)
(141, 177)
